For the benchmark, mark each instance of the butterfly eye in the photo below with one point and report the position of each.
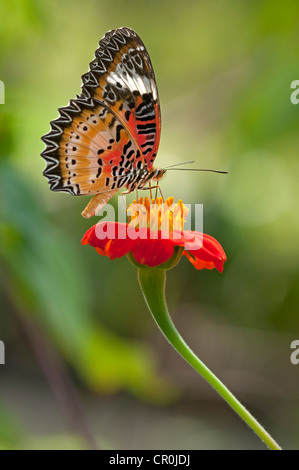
(159, 174)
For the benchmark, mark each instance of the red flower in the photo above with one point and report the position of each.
(154, 247)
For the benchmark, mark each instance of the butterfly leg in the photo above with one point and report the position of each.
(157, 187)
(124, 200)
(150, 186)
(123, 195)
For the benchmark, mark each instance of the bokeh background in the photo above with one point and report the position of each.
(85, 363)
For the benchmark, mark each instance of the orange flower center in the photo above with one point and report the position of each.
(157, 214)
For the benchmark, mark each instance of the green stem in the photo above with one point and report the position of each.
(152, 282)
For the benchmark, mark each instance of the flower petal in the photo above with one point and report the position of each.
(99, 234)
(109, 239)
(153, 248)
(120, 247)
(210, 255)
(152, 252)
(199, 264)
(87, 235)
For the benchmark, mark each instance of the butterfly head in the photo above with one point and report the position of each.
(158, 173)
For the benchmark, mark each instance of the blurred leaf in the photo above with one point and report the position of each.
(10, 433)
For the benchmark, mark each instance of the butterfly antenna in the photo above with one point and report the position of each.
(178, 164)
(199, 169)
(172, 167)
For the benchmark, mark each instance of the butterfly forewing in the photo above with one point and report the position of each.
(113, 127)
(122, 76)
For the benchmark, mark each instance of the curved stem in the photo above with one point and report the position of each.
(152, 283)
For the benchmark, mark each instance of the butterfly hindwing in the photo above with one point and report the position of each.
(92, 151)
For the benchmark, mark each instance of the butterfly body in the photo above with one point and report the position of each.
(107, 138)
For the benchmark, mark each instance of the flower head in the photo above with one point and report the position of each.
(154, 236)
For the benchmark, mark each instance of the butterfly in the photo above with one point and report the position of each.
(108, 137)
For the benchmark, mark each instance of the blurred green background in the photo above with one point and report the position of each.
(84, 359)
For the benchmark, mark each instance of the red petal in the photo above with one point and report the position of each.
(91, 236)
(120, 247)
(109, 238)
(101, 252)
(199, 264)
(153, 252)
(87, 235)
(210, 255)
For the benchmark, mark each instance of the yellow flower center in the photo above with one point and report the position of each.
(157, 214)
